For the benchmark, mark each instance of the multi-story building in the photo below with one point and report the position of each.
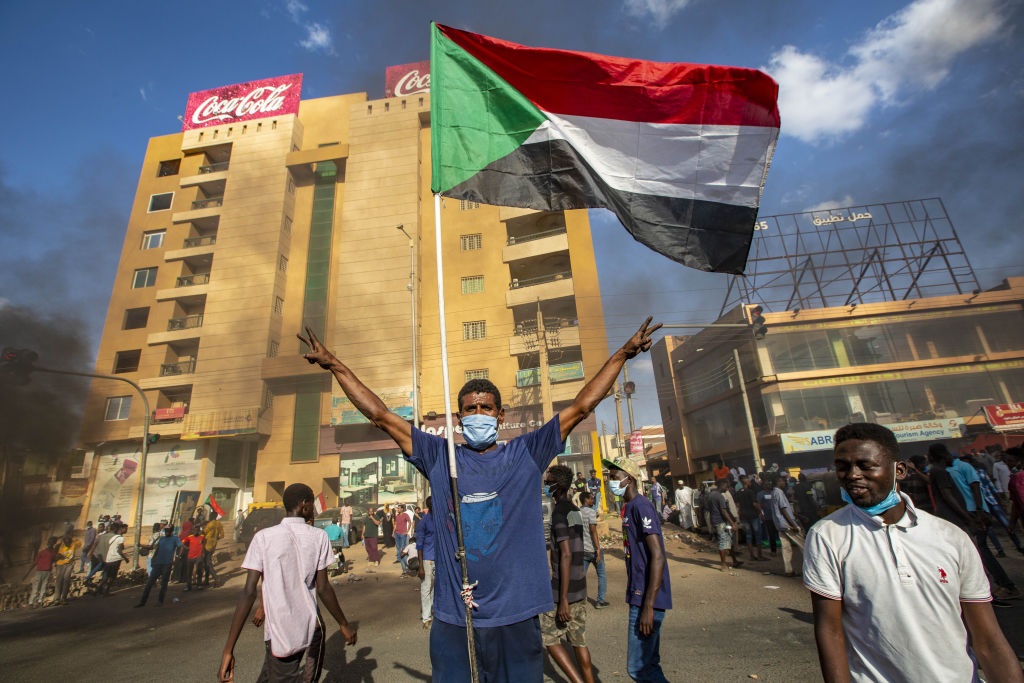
(931, 369)
(282, 214)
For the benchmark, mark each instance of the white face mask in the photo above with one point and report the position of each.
(617, 487)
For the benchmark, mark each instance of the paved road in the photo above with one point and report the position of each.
(725, 627)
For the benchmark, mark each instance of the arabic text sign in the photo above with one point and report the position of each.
(924, 430)
(1005, 417)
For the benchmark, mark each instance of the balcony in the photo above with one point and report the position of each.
(526, 341)
(185, 367)
(201, 245)
(200, 241)
(185, 322)
(208, 203)
(535, 244)
(562, 372)
(213, 168)
(550, 286)
(192, 280)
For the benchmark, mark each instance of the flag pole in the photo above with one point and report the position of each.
(450, 432)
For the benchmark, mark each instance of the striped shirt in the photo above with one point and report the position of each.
(567, 525)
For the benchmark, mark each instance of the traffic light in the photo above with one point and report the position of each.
(153, 438)
(16, 365)
(757, 322)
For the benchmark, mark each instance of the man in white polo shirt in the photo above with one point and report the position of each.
(889, 583)
(291, 559)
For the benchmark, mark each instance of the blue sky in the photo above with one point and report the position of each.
(881, 101)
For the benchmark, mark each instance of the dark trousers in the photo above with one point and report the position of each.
(195, 566)
(773, 533)
(304, 666)
(208, 570)
(161, 572)
(989, 561)
(505, 654)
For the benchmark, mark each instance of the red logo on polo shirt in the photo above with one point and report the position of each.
(943, 577)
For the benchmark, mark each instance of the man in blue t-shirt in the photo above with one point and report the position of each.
(502, 522)
(164, 552)
(648, 592)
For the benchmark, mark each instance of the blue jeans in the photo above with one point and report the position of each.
(643, 655)
(401, 540)
(344, 535)
(505, 654)
(602, 579)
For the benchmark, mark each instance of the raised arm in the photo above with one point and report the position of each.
(367, 402)
(597, 388)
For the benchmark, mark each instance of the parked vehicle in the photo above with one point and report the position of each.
(258, 518)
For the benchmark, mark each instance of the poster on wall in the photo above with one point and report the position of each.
(116, 482)
(168, 470)
(185, 504)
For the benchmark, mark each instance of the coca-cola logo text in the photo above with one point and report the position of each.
(243, 102)
(412, 82)
(258, 101)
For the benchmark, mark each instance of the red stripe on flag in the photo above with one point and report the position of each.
(319, 503)
(588, 84)
(213, 505)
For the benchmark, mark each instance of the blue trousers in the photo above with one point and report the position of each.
(602, 579)
(643, 654)
(504, 654)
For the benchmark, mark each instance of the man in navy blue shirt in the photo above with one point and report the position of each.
(502, 521)
(648, 593)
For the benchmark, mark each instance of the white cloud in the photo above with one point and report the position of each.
(830, 204)
(295, 9)
(318, 37)
(660, 11)
(906, 53)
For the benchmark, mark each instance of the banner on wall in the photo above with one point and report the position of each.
(168, 471)
(906, 432)
(115, 485)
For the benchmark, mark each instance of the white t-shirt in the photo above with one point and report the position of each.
(116, 541)
(901, 587)
(289, 555)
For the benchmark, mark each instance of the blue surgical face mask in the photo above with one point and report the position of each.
(617, 487)
(480, 431)
(887, 503)
(549, 490)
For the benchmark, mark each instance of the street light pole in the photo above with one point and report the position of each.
(412, 305)
(145, 445)
(755, 450)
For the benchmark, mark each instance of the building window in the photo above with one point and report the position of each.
(466, 205)
(127, 361)
(282, 263)
(153, 239)
(160, 202)
(474, 284)
(229, 459)
(471, 242)
(118, 408)
(477, 329)
(144, 277)
(136, 318)
(169, 167)
(278, 305)
(481, 373)
(273, 348)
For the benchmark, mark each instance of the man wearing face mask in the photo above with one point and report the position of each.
(502, 523)
(892, 587)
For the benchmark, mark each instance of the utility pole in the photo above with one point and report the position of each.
(758, 463)
(421, 483)
(618, 418)
(627, 387)
(545, 371)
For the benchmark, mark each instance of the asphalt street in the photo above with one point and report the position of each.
(746, 624)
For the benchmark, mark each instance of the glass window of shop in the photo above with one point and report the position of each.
(721, 427)
(377, 478)
(889, 402)
(949, 336)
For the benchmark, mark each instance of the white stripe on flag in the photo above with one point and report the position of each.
(713, 163)
(319, 503)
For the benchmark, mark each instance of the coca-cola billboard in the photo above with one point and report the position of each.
(243, 102)
(407, 79)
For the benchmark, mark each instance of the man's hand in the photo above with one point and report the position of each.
(318, 353)
(641, 341)
(646, 623)
(259, 616)
(349, 633)
(421, 572)
(227, 668)
(563, 616)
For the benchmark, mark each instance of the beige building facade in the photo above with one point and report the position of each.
(244, 232)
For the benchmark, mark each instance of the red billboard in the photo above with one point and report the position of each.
(407, 79)
(1005, 417)
(243, 102)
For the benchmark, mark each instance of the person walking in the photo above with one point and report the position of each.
(345, 521)
(67, 552)
(291, 560)
(789, 531)
(166, 548)
(88, 539)
(43, 567)
(212, 533)
(194, 543)
(403, 525)
(371, 534)
(592, 554)
(648, 589)
(426, 571)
